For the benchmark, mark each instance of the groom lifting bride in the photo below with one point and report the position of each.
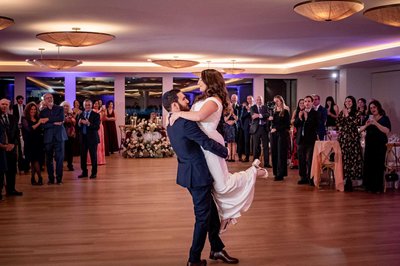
(203, 170)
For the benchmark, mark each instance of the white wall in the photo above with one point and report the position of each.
(386, 89)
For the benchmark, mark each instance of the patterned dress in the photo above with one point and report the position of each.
(349, 140)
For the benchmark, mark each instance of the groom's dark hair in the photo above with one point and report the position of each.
(170, 97)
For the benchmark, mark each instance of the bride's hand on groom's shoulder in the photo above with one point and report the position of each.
(174, 117)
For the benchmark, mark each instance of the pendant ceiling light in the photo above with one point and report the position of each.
(5, 22)
(328, 10)
(389, 14)
(175, 63)
(75, 38)
(233, 70)
(198, 73)
(54, 63)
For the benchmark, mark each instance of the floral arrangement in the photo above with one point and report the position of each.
(146, 140)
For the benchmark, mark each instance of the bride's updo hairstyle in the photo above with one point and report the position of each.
(215, 87)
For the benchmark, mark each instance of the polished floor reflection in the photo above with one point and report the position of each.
(135, 214)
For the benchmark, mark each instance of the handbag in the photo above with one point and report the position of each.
(253, 128)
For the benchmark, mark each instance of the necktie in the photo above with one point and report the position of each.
(86, 115)
(259, 112)
(5, 120)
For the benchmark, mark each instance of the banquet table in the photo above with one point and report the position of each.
(321, 156)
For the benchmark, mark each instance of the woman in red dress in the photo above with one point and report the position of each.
(110, 130)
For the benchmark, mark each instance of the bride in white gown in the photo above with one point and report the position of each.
(233, 192)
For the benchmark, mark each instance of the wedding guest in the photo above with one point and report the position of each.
(306, 123)
(4, 146)
(89, 124)
(76, 111)
(110, 130)
(280, 125)
(10, 127)
(18, 112)
(294, 159)
(32, 132)
(245, 121)
(322, 116)
(260, 124)
(69, 124)
(230, 120)
(101, 158)
(349, 140)
(362, 110)
(377, 128)
(332, 111)
(54, 138)
(42, 105)
(237, 109)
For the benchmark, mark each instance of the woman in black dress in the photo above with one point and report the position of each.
(349, 139)
(280, 138)
(362, 110)
(377, 127)
(110, 130)
(332, 110)
(32, 134)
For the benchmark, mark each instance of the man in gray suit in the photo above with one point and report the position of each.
(54, 137)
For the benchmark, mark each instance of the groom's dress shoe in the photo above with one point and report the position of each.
(223, 255)
(201, 263)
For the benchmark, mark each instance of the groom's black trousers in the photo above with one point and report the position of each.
(207, 220)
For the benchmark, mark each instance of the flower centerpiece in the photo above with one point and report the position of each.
(146, 140)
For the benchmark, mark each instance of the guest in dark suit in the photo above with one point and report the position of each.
(54, 137)
(186, 138)
(237, 109)
(4, 146)
(18, 113)
(10, 127)
(245, 120)
(89, 124)
(259, 115)
(306, 124)
(322, 116)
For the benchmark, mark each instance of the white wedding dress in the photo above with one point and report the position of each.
(233, 192)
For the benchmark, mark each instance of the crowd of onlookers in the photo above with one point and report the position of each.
(41, 134)
(254, 126)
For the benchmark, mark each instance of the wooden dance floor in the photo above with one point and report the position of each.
(135, 214)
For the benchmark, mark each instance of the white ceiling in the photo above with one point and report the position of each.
(263, 36)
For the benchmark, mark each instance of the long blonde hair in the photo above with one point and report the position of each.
(284, 106)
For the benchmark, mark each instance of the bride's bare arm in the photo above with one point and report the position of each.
(206, 110)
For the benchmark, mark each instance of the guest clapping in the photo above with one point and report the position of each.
(32, 133)
(230, 120)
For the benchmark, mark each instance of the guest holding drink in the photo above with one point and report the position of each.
(377, 127)
(32, 133)
(110, 130)
(349, 139)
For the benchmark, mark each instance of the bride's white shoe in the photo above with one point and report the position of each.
(261, 172)
(224, 225)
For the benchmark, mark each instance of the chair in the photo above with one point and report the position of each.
(122, 131)
(392, 165)
(328, 166)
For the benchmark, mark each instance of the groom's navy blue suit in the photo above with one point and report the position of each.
(186, 138)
